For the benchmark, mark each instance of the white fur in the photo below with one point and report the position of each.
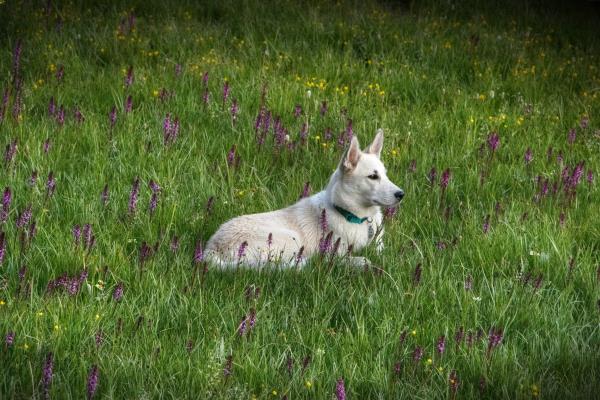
(298, 226)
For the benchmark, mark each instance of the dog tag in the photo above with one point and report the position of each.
(371, 231)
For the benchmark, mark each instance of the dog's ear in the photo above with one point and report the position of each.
(377, 145)
(351, 156)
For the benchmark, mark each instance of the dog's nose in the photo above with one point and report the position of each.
(399, 194)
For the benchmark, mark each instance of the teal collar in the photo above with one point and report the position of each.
(349, 216)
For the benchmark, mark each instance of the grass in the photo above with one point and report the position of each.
(437, 77)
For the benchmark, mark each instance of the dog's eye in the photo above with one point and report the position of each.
(373, 176)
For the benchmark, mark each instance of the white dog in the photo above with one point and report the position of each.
(345, 216)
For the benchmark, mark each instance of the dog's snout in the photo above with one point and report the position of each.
(399, 194)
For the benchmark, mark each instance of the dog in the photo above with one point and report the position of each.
(344, 217)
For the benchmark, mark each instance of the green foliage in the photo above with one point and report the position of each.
(438, 77)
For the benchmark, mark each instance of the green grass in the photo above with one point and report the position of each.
(437, 78)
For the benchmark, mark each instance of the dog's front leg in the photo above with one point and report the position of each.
(359, 262)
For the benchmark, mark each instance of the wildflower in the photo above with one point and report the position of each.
(303, 133)
(328, 135)
(60, 73)
(128, 104)
(325, 243)
(571, 136)
(412, 167)
(402, 338)
(4, 104)
(17, 59)
(231, 156)
(576, 175)
(305, 363)
(104, 196)
(6, 200)
(306, 191)
(323, 221)
(469, 339)
(88, 237)
(129, 78)
(205, 79)
(164, 95)
(445, 179)
(454, 382)
(174, 246)
(225, 92)
(50, 184)
(205, 97)
(47, 146)
(417, 275)
(228, 368)
(60, 116)
(242, 327)
(349, 131)
(441, 345)
(252, 316)
(24, 217)
(242, 250)
(398, 369)
(10, 152)
(340, 390)
(297, 111)
(9, 339)
(145, 253)
(390, 212)
(198, 253)
(590, 176)
(133, 196)
(468, 283)
(16, 112)
(51, 107)
(571, 267)
(76, 234)
(92, 382)
(118, 292)
(210, 204)
(432, 175)
(494, 339)
(299, 255)
(112, 117)
(79, 118)
(153, 202)
(486, 224)
(234, 110)
(528, 156)
(47, 375)
(459, 336)
(417, 354)
(323, 108)
(2, 246)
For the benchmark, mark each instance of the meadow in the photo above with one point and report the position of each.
(132, 130)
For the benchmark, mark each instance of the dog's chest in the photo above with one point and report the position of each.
(357, 235)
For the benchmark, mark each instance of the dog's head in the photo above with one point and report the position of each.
(364, 175)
